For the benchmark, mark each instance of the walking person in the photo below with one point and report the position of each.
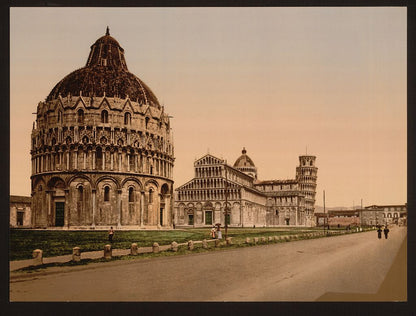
(110, 234)
(379, 232)
(386, 232)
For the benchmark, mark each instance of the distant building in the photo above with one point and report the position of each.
(384, 214)
(340, 218)
(20, 211)
(202, 201)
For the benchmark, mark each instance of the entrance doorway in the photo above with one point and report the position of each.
(287, 221)
(20, 218)
(59, 213)
(208, 217)
(190, 219)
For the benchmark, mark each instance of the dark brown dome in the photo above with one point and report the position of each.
(244, 161)
(105, 72)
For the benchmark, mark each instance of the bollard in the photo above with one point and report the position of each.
(263, 239)
(256, 240)
(174, 246)
(204, 244)
(76, 254)
(248, 240)
(270, 238)
(133, 249)
(217, 242)
(155, 247)
(228, 241)
(37, 257)
(276, 238)
(108, 253)
(190, 245)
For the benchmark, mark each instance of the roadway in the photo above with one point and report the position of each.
(294, 271)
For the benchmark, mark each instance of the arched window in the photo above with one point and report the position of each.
(127, 118)
(59, 117)
(106, 193)
(131, 194)
(80, 116)
(104, 116)
(80, 193)
(150, 196)
(147, 122)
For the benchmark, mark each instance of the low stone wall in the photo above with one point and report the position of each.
(134, 250)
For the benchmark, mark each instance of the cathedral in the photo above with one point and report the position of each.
(102, 150)
(232, 195)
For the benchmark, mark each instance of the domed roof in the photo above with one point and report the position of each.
(105, 72)
(244, 161)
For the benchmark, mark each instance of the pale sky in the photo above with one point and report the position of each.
(273, 80)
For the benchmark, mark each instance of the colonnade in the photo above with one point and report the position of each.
(110, 159)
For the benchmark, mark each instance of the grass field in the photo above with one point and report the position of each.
(55, 243)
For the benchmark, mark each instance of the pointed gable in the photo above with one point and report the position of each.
(208, 159)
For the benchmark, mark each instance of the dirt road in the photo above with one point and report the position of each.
(293, 271)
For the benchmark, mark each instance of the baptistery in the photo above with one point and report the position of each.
(102, 150)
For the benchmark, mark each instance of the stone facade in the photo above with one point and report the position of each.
(102, 149)
(384, 214)
(20, 211)
(216, 185)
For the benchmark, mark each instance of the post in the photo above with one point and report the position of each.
(76, 254)
(324, 213)
(37, 257)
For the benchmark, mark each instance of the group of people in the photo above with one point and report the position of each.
(386, 232)
(216, 232)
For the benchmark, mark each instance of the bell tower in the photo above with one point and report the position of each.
(306, 175)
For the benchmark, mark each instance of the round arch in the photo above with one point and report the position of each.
(125, 180)
(103, 178)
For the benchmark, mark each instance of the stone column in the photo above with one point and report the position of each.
(112, 160)
(94, 193)
(76, 159)
(67, 159)
(93, 158)
(141, 207)
(168, 211)
(128, 161)
(66, 210)
(119, 207)
(48, 201)
(119, 160)
(85, 160)
(158, 211)
(103, 159)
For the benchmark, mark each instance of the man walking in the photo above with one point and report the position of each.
(379, 232)
(386, 232)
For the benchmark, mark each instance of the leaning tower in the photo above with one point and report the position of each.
(306, 175)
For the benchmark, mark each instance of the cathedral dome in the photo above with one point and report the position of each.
(105, 73)
(245, 164)
(244, 161)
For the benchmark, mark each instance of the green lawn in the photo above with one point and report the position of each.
(55, 243)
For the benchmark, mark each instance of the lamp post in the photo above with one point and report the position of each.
(324, 213)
